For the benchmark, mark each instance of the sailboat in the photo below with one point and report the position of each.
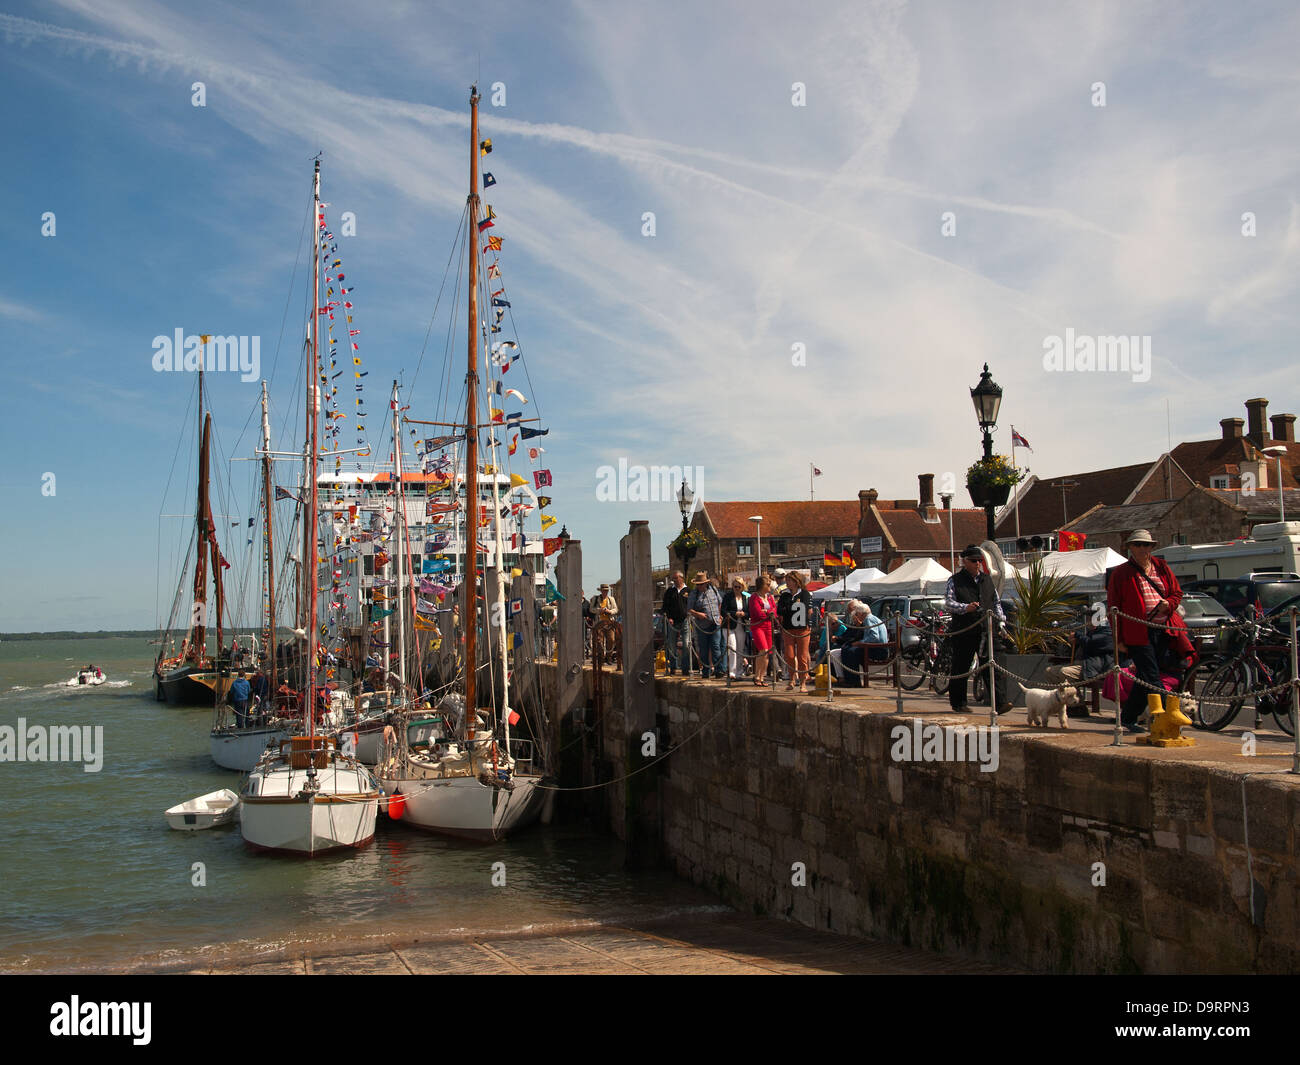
(193, 677)
(239, 745)
(458, 775)
(304, 796)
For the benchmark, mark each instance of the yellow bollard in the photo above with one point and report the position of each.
(661, 661)
(821, 679)
(1166, 722)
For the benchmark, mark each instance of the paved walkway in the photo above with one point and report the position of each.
(1274, 749)
(728, 944)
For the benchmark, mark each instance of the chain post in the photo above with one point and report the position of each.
(1118, 741)
(1295, 696)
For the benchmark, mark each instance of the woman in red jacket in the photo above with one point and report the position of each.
(1144, 587)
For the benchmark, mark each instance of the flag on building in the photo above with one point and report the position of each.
(1019, 440)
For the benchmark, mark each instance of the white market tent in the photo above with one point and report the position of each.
(920, 576)
(840, 589)
(1088, 567)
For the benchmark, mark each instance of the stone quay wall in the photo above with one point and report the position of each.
(1073, 856)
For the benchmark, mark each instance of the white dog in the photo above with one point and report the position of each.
(1043, 702)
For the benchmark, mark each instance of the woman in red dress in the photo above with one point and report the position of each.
(762, 608)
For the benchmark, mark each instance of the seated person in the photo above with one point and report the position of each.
(1092, 653)
(865, 638)
(837, 630)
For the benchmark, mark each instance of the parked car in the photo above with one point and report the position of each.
(911, 609)
(1205, 618)
(1260, 590)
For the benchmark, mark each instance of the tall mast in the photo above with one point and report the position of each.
(402, 547)
(313, 371)
(268, 638)
(469, 616)
(198, 616)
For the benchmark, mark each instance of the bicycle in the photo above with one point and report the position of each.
(930, 656)
(1221, 696)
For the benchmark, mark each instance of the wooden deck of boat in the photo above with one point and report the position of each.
(725, 944)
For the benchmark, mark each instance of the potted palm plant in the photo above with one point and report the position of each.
(1043, 610)
(989, 481)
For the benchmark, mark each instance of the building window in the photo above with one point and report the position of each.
(1222, 483)
(867, 563)
(842, 545)
(776, 547)
(744, 547)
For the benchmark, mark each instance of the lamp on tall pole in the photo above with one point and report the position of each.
(987, 398)
(757, 519)
(952, 552)
(1277, 451)
(685, 499)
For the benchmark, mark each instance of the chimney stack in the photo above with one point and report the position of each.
(1256, 414)
(1231, 428)
(947, 501)
(925, 507)
(1283, 428)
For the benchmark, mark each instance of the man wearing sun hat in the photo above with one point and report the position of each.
(705, 606)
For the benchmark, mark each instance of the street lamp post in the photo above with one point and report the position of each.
(987, 398)
(757, 519)
(1277, 451)
(685, 497)
(952, 553)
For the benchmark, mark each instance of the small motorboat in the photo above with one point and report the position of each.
(87, 676)
(207, 811)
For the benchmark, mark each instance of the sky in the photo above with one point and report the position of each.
(855, 206)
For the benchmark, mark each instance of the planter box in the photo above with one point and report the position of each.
(1032, 666)
(984, 494)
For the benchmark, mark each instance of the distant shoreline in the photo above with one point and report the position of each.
(65, 634)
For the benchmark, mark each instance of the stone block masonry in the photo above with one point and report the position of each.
(1073, 856)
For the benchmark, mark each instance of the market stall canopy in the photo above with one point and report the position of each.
(1088, 567)
(919, 576)
(840, 589)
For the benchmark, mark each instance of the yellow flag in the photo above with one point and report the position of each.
(516, 573)
(516, 480)
(547, 522)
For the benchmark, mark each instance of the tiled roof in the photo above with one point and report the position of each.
(912, 533)
(1263, 502)
(1122, 518)
(1040, 509)
(822, 517)
(1203, 459)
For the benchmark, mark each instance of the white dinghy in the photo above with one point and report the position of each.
(207, 811)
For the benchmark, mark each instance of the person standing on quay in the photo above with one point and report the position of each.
(970, 599)
(733, 615)
(705, 605)
(795, 611)
(1144, 587)
(762, 609)
(674, 608)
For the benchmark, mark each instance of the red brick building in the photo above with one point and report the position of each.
(1232, 464)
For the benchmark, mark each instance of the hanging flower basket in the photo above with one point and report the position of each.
(689, 543)
(990, 481)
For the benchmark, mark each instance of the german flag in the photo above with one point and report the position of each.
(845, 558)
(831, 560)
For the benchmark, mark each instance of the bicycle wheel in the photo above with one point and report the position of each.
(943, 669)
(1219, 700)
(911, 667)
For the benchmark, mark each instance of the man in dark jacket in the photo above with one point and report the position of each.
(970, 599)
(674, 610)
